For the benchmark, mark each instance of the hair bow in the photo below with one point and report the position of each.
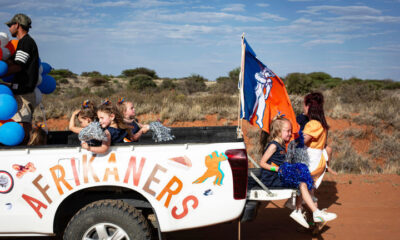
(121, 100)
(85, 104)
(280, 115)
(106, 102)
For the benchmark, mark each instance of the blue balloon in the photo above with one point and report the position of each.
(48, 84)
(11, 134)
(5, 90)
(46, 68)
(3, 68)
(8, 79)
(8, 106)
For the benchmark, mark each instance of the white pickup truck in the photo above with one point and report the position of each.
(62, 190)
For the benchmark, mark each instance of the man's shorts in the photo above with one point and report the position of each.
(26, 106)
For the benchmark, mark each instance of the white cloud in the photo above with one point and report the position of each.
(274, 17)
(192, 16)
(366, 19)
(237, 7)
(341, 10)
(322, 41)
(265, 4)
(391, 47)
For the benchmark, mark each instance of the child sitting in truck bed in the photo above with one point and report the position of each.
(129, 115)
(114, 127)
(276, 173)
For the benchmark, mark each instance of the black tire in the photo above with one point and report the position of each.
(110, 216)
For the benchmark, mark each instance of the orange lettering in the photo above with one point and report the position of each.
(171, 192)
(114, 172)
(88, 167)
(57, 180)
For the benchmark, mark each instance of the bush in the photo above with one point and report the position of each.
(98, 81)
(192, 84)
(64, 81)
(356, 91)
(142, 81)
(62, 73)
(140, 70)
(298, 83)
(234, 74)
(91, 74)
(168, 84)
(226, 85)
(319, 78)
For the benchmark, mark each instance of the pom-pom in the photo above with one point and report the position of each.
(92, 131)
(292, 175)
(160, 132)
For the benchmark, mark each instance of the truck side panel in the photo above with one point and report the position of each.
(188, 185)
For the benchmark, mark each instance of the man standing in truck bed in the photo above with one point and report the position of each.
(24, 64)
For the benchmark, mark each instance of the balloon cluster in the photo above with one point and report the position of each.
(11, 133)
(7, 48)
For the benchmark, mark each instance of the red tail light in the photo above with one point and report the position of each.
(238, 160)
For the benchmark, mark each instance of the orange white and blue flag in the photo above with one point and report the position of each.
(263, 93)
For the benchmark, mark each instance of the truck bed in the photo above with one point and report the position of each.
(182, 135)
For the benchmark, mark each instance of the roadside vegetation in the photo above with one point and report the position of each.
(372, 107)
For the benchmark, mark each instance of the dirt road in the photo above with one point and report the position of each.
(368, 208)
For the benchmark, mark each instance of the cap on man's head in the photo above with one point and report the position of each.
(20, 18)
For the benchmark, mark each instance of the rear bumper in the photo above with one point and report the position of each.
(249, 211)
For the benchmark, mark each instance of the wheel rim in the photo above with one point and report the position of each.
(105, 231)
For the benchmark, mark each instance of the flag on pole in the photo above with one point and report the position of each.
(263, 94)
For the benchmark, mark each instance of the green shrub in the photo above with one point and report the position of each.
(192, 84)
(142, 81)
(226, 85)
(98, 81)
(355, 91)
(140, 70)
(167, 84)
(91, 74)
(65, 73)
(298, 83)
(234, 74)
(64, 81)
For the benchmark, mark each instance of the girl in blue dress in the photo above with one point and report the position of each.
(114, 127)
(278, 174)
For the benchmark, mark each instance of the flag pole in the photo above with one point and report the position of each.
(241, 80)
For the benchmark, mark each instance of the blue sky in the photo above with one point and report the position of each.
(177, 38)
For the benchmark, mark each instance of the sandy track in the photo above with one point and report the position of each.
(368, 207)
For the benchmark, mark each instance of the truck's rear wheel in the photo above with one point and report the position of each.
(108, 219)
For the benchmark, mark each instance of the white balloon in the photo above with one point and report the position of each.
(38, 96)
(3, 39)
(39, 81)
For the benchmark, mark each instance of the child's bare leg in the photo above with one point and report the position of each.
(329, 152)
(307, 197)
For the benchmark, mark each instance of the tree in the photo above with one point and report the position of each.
(142, 81)
(234, 74)
(168, 84)
(298, 83)
(193, 83)
(140, 70)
